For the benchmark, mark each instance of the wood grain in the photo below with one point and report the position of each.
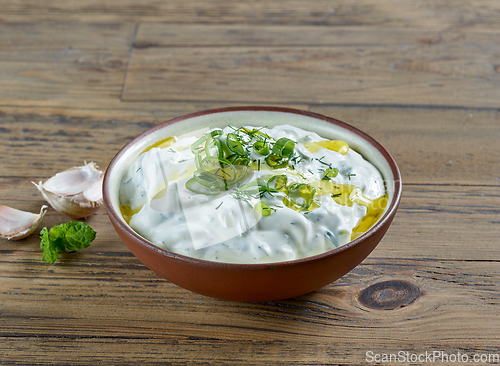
(66, 42)
(95, 298)
(162, 35)
(431, 146)
(402, 13)
(63, 61)
(454, 222)
(445, 222)
(79, 79)
(454, 67)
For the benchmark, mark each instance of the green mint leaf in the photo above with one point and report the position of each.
(78, 235)
(44, 238)
(71, 236)
(50, 245)
(56, 233)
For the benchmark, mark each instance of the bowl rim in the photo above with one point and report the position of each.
(389, 213)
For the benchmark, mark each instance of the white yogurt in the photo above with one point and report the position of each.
(228, 229)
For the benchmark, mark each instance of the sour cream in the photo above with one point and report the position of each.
(158, 202)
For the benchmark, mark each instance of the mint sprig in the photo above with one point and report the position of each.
(72, 235)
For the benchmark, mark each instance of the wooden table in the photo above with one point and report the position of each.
(78, 79)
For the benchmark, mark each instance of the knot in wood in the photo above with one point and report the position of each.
(389, 295)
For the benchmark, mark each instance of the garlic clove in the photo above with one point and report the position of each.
(74, 180)
(93, 194)
(76, 192)
(17, 224)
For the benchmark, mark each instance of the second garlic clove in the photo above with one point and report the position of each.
(76, 192)
(17, 224)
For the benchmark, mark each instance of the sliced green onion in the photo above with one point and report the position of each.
(236, 159)
(261, 147)
(211, 144)
(199, 145)
(250, 189)
(283, 147)
(276, 182)
(241, 172)
(330, 173)
(301, 194)
(262, 208)
(244, 130)
(197, 161)
(209, 180)
(234, 144)
(276, 162)
(242, 160)
(226, 171)
(260, 135)
(210, 163)
(232, 157)
(194, 186)
(253, 189)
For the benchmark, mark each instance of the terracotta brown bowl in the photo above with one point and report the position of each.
(253, 282)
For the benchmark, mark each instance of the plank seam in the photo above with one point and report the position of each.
(129, 56)
(343, 105)
(309, 104)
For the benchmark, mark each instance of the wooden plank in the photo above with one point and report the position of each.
(318, 12)
(154, 35)
(63, 61)
(33, 136)
(445, 222)
(444, 146)
(98, 130)
(62, 69)
(433, 222)
(31, 80)
(66, 42)
(452, 68)
(30, 147)
(108, 301)
(115, 109)
(204, 351)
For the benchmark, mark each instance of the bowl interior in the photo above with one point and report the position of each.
(254, 116)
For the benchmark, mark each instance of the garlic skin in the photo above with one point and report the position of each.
(76, 192)
(17, 224)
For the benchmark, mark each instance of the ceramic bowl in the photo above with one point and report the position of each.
(253, 282)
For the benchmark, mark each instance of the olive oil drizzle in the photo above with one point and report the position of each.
(166, 142)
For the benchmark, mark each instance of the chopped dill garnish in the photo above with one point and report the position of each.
(328, 173)
(301, 175)
(322, 162)
(220, 204)
(297, 159)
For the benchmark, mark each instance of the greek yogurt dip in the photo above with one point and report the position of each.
(251, 194)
